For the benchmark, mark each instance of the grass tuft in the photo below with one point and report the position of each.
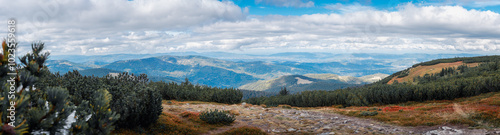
(245, 130)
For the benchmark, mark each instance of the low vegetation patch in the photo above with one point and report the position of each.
(245, 130)
(477, 111)
(285, 106)
(190, 115)
(397, 108)
(167, 124)
(217, 117)
(368, 113)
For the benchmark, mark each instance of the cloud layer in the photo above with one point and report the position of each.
(287, 3)
(117, 26)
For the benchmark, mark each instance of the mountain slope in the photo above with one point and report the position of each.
(429, 68)
(63, 66)
(198, 71)
(349, 79)
(100, 72)
(258, 69)
(297, 83)
(420, 71)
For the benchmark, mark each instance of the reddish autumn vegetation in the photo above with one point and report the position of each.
(477, 111)
(190, 115)
(397, 108)
(245, 130)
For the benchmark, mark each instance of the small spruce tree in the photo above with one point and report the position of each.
(49, 106)
(95, 117)
(284, 92)
(13, 101)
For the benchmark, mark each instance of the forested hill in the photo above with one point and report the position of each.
(463, 80)
(441, 66)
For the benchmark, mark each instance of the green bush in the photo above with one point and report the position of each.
(217, 117)
(80, 87)
(404, 73)
(368, 113)
(228, 96)
(95, 117)
(137, 104)
(188, 91)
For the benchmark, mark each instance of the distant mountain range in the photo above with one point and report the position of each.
(63, 66)
(235, 70)
(297, 83)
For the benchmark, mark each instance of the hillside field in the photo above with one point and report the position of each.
(432, 69)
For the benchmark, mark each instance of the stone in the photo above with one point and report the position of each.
(445, 131)
(446, 128)
(328, 133)
(458, 131)
(291, 129)
(327, 127)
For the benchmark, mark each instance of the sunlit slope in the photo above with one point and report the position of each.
(298, 83)
(431, 69)
(435, 66)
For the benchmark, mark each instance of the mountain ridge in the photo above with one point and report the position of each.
(297, 83)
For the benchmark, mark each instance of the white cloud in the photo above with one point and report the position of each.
(356, 7)
(473, 3)
(287, 3)
(99, 27)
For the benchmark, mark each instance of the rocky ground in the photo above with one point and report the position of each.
(279, 120)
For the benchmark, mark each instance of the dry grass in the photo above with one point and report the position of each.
(169, 124)
(477, 111)
(193, 116)
(245, 130)
(422, 70)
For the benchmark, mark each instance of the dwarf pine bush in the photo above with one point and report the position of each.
(217, 117)
(368, 113)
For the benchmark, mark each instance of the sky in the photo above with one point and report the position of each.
(98, 27)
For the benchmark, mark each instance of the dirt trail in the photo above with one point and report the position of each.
(293, 121)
